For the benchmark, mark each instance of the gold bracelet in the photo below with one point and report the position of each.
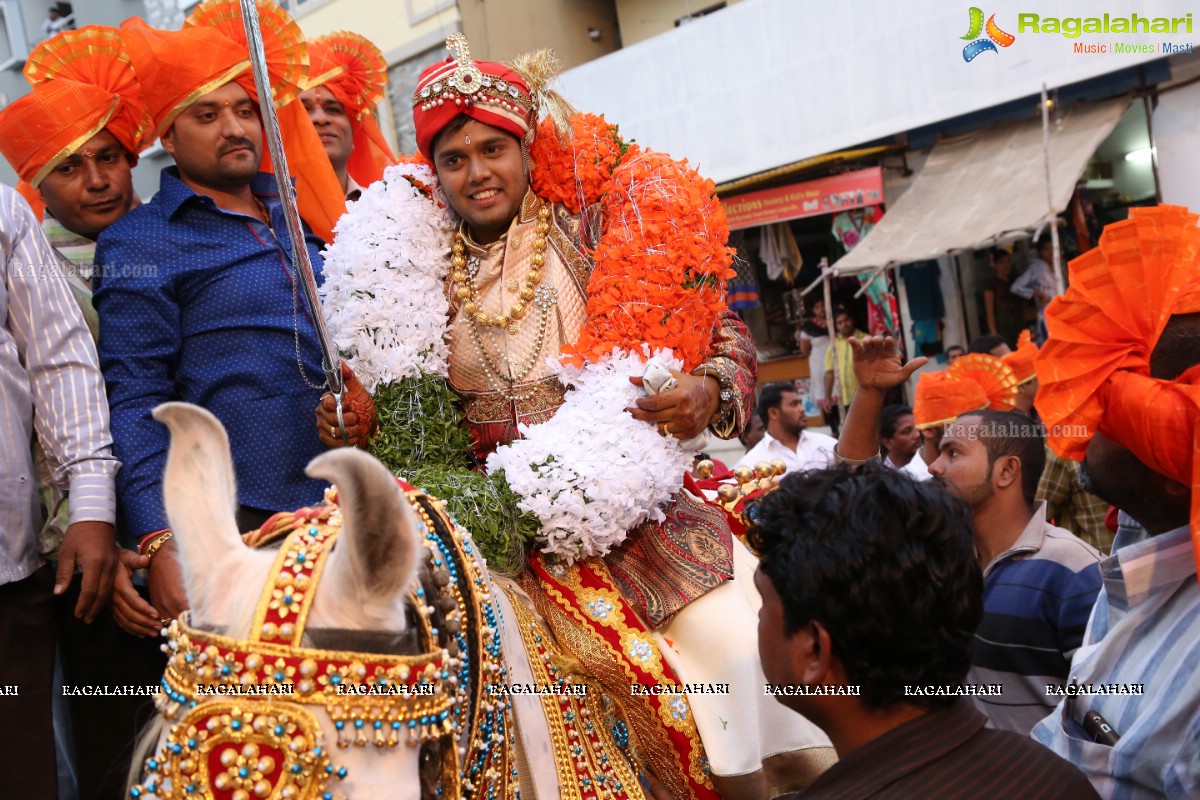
(157, 544)
(723, 395)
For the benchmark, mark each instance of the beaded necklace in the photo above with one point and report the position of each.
(543, 297)
(463, 277)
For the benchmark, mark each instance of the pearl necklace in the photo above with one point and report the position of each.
(464, 280)
(546, 298)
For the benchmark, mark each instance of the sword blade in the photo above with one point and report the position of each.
(330, 362)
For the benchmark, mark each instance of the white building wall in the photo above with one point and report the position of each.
(1177, 134)
(768, 82)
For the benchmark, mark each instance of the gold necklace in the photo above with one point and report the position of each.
(266, 213)
(545, 298)
(464, 280)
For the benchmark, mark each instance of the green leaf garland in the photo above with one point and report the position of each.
(422, 439)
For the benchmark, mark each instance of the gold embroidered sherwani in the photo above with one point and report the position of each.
(623, 618)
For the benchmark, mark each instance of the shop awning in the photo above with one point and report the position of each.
(985, 187)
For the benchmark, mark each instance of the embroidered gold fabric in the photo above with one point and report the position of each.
(586, 755)
(501, 267)
(537, 403)
(565, 236)
(653, 746)
(661, 567)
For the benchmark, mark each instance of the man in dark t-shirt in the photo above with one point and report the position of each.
(871, 595)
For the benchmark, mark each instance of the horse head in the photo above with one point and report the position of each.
(297, 670)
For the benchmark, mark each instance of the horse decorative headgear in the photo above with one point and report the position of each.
(240, 712)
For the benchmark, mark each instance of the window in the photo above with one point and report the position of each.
(14, 45)
(694, 15)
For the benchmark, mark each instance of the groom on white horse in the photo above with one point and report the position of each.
(518, 291)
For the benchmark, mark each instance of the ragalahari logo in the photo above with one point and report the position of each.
(995, 36)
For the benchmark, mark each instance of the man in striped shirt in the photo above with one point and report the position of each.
(1132, 720)
(1040, 581)
(871, 592)
(74, 139)
(49, 382)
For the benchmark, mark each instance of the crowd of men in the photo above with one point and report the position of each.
(942, 545)
(1069, 642)
(187, 285)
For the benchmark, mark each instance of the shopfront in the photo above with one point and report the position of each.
(987, 195)
(784, 235)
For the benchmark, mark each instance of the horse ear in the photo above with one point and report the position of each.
(200, 494)
(377, 552)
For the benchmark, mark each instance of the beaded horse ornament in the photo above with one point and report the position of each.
(241, 715)
(247, 728)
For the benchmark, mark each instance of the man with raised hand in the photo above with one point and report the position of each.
(1040, 581)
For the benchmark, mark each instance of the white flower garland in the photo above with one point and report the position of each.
(383, 295)
(589, 474)
(592, 472)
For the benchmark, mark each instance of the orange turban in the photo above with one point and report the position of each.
(352, 68)
(942, 397)
(83, 83)
(1020, 361)
(177, 68)
(1094, 369)
(992, 375)
(486, 91)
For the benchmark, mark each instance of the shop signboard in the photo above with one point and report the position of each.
(830, 195)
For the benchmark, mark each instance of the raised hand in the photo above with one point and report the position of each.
(877, 363)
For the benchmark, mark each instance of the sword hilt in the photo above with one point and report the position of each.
(337, 399)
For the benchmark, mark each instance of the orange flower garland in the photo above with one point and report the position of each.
(662, 226)
(576, 173)
(418, 158)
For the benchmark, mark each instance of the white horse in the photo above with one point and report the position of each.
(397, 561)
(364, 588)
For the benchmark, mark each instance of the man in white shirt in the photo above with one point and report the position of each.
(1037, 283)
(50, 384)
(786, 439)
(54, 22)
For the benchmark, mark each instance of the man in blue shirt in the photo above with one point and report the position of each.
(1039, 581)
(199, 300)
